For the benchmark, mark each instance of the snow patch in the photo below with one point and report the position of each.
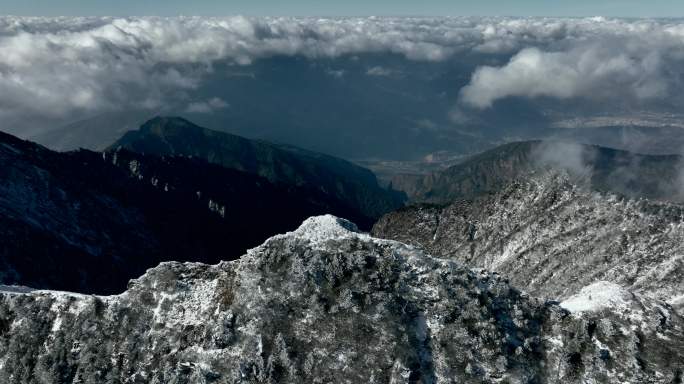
(676, 301)
(597, 296)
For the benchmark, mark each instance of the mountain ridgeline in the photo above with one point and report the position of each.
(327, 304)
(95, 133)
(551, 237)
(352, 185)
(600, 274)
(88, 221)
(604, 169)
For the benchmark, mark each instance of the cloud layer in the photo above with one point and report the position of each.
(59, 67)
(588, 71)
(631, 61)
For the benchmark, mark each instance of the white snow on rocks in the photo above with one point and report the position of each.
(317, 230)
(188, 306)
(597, 296)
(321, 228)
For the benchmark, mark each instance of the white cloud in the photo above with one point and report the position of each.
(590, 71)
(207, 106)
(595, 59)
(58, 67)
(572, 157)
(52, 68)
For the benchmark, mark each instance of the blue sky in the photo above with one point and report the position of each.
(628, 8)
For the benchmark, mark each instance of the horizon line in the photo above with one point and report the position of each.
(353, 16)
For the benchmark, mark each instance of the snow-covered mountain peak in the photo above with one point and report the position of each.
(321, 228)
(316, 231)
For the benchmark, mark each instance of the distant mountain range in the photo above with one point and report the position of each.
(652, 140)
(88, 221)
(605, 169)
(600, 274)
(357, 115)
(340, 179)
(95, 133)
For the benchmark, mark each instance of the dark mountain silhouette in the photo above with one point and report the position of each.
(353, 185)
(88, 222)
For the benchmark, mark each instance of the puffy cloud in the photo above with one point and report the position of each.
(60, 67)
(595, 59)
(572, 157)
(588, 71)
(54, 68)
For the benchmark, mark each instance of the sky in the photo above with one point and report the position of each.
(615, 8)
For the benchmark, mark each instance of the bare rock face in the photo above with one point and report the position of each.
(551, 238)
(326, 304)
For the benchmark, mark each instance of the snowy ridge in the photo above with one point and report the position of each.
(552, 238)
(326, 303)
(315, 230)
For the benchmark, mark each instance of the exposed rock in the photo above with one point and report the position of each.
(327, 304)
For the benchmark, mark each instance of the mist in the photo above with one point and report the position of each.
(659, 177)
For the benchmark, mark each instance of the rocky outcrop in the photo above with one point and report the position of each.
(326, 304)
(551, 237)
